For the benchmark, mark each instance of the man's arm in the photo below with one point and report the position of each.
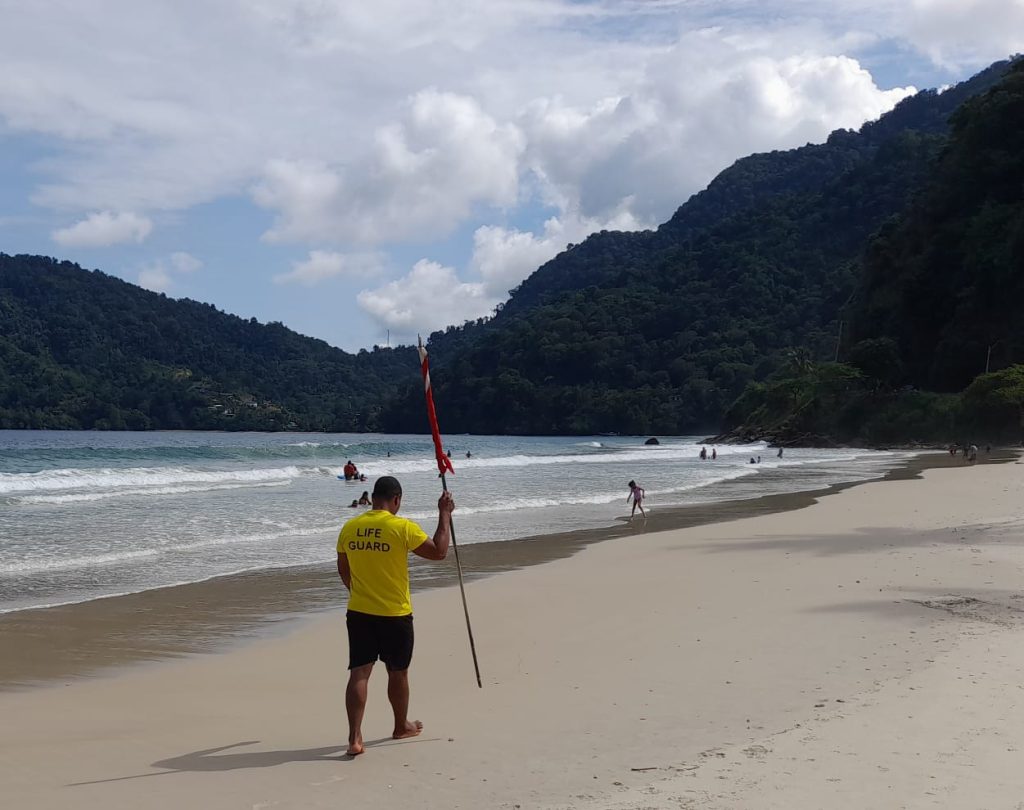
(344, 571)
(436, 548)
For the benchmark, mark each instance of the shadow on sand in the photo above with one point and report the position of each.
(211, 760)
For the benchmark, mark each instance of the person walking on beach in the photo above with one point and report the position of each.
(636, 493)
(373, 563)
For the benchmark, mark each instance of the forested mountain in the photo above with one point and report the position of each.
(946, 282)
(938, 304)
(83, 349)
(740, 292)
(660, 332)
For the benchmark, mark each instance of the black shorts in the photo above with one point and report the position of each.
(389, 638)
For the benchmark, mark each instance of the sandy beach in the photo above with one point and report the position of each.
(863, 651)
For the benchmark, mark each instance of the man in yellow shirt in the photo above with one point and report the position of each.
(373, 563)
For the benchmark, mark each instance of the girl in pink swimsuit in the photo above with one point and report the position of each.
(636, 492)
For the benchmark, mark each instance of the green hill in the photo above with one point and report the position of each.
(660, 332)
(83, 349)
(729, 308)
(937, 305)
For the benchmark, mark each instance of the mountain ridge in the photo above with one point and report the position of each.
(648, 332)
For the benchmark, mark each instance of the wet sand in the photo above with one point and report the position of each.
(58, 644)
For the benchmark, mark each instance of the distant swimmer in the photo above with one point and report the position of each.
(354, 505)
(779, 454)
(373, 552)
(752, 460)
(468, 454)
(714, 453)
(636, 494)
(449, 454)
(350, 470)
(703, 454)
(364, 499)
(758, 459)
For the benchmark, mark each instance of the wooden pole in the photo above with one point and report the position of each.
(462, 590)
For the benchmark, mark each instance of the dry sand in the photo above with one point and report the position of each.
(861, 652)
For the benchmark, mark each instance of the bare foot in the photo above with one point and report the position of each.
(412, 728)
(355, 748)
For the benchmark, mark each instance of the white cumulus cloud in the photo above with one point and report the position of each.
(182, 262)
(966, 32)
(423, 175)
(155, 277)
(626, 162)
(159, 275)
(357, 123)
(104, 228)
(703, 103)
(430, 297)
(433, 296)
(324, 264)
(359, 126)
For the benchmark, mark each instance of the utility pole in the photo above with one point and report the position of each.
(988, 357)
(839, 340)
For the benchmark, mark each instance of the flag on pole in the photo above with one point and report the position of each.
(444, 464)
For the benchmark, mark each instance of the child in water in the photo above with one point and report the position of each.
(636, 492)
(364, 499)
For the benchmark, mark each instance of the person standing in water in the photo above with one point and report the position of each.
(373, 551)
(636, 493)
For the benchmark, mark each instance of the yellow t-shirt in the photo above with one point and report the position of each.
(377, 545)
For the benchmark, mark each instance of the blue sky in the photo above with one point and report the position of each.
(352, 169)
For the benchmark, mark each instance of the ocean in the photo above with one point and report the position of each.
(87, 515)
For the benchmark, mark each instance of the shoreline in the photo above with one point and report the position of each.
(42, 646)
(861, 652)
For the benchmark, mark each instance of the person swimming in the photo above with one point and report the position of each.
(364, 499)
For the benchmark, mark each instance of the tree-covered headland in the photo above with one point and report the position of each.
(849, 291)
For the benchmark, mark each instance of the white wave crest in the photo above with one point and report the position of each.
(612, 456)
(596, 499)
(80, 497)
(49, 564)
(134, 478)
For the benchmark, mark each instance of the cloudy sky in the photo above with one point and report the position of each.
(352, 167)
